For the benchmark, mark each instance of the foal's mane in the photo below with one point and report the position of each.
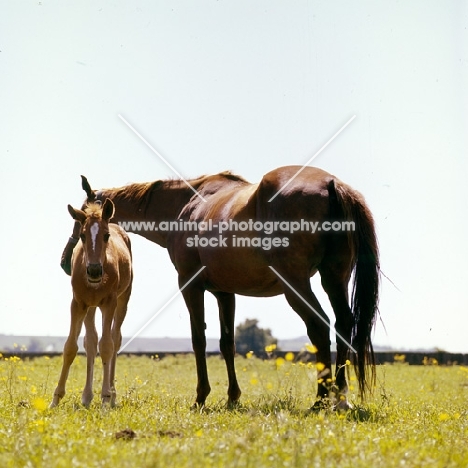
(93, 210)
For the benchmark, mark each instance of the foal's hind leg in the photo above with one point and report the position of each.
(90, 345)
(226, 304)
(78, 313)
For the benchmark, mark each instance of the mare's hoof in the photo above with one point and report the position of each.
(233, 404)
(199, 407)
(319, 405)
(343, 406)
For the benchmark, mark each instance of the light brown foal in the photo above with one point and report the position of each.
(101, 277)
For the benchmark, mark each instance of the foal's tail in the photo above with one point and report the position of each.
(365, 295)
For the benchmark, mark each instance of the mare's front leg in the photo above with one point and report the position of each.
(193, 296)
(78, 313)
(227, 306)
(90, 345)
(106, 348)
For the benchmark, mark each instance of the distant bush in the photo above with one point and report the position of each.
(250, 337)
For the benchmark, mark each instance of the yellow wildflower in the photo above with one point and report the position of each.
(279, 362)
(40, 404)
(311, 348)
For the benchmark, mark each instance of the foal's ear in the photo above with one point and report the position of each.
(108, 210)
(78, 215)
(90, 193)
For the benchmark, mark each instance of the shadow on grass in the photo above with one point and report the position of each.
(263, 405)
(291, 405)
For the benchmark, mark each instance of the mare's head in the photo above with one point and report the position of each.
(94, 235)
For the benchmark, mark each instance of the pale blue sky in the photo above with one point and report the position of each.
(247, 86)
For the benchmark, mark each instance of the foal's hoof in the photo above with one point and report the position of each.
(86, 402)
(55, 401)
(106, 402)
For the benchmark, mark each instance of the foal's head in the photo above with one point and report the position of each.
(94, 235)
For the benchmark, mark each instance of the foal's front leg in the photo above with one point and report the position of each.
(90, 345)
(119, 317)
(78, 313)
(106, 349)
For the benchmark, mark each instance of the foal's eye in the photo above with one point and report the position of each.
(106, 236)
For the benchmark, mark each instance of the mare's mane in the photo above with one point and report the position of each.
(140, 193)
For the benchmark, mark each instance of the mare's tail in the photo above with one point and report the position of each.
(365, 295)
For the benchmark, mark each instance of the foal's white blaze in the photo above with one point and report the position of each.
(94, 230)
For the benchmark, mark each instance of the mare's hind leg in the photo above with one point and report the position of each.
(90, 345)
(301, 298)
(78, 313)
(335, 283)
(120, 313)
(227, 305)
(193, 296)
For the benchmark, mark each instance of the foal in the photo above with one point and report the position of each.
(101, 277)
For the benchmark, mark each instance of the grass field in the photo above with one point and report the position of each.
(417, 417)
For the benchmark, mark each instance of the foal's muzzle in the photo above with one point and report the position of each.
(94, 272)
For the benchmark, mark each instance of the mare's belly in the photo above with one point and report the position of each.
(242, 271)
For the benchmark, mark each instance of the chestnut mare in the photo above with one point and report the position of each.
(253, 269)
(101, 276)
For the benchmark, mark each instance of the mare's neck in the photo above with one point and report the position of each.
(162, 201)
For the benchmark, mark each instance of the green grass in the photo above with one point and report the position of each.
(416, 418)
